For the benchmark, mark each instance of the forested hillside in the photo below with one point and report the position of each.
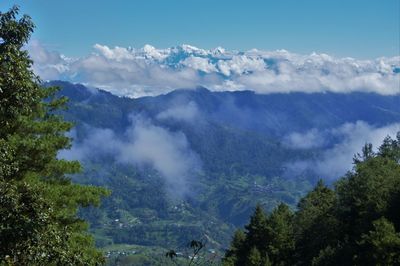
(356, 222)
(234, 143)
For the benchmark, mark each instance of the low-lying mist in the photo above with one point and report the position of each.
(143, 144)
(338, 147)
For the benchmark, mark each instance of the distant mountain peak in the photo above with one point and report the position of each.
(150, 71)
(202, 89)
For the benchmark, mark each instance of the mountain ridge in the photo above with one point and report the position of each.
(370, 107)
(245, 148)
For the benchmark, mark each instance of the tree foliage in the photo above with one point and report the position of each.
(38, 202)
(195, 254)
(268, 239)
(356, 223)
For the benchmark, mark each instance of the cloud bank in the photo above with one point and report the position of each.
(335, 161)
(310, 139)
(143, 144)
(149, 71)
(181, 112)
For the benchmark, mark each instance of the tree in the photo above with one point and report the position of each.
(236, 249)
(315, 223)
(369, 193)
(381, 246)
(280, 235)
(256, 229)
(254, 258)
(248, 247)
(268, 240)
(195, 254)
(356, 223)
(38, 202)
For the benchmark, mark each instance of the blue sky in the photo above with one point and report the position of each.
(356, 28)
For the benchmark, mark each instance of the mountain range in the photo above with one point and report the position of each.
(150, 71)
(193, 163)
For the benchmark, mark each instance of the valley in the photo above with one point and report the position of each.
(231, 151)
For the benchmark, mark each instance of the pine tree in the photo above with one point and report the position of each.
(280, 235)
(256, 229)
(315, 223)
(254, 258)
(251, 243)
(381, 246)
(357, 223)
(38, 202)
(235, 253)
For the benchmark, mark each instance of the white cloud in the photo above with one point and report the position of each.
(117, 54)
(241, 65)
(337, 160)
(311, 139)
(48, 64)
(151, 71)
(185, 112)
(199, 63)
(144, 144)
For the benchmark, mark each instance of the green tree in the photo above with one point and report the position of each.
(254, 258)
(248, 246)
(315, 223)
(381, 246)
(236, 248)
(38, 202)
(369, 193)
(268, 240)
(280, 235)
(356, 223)
(256, 229)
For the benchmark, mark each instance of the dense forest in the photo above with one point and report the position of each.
(38, 202)
(355, 223)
